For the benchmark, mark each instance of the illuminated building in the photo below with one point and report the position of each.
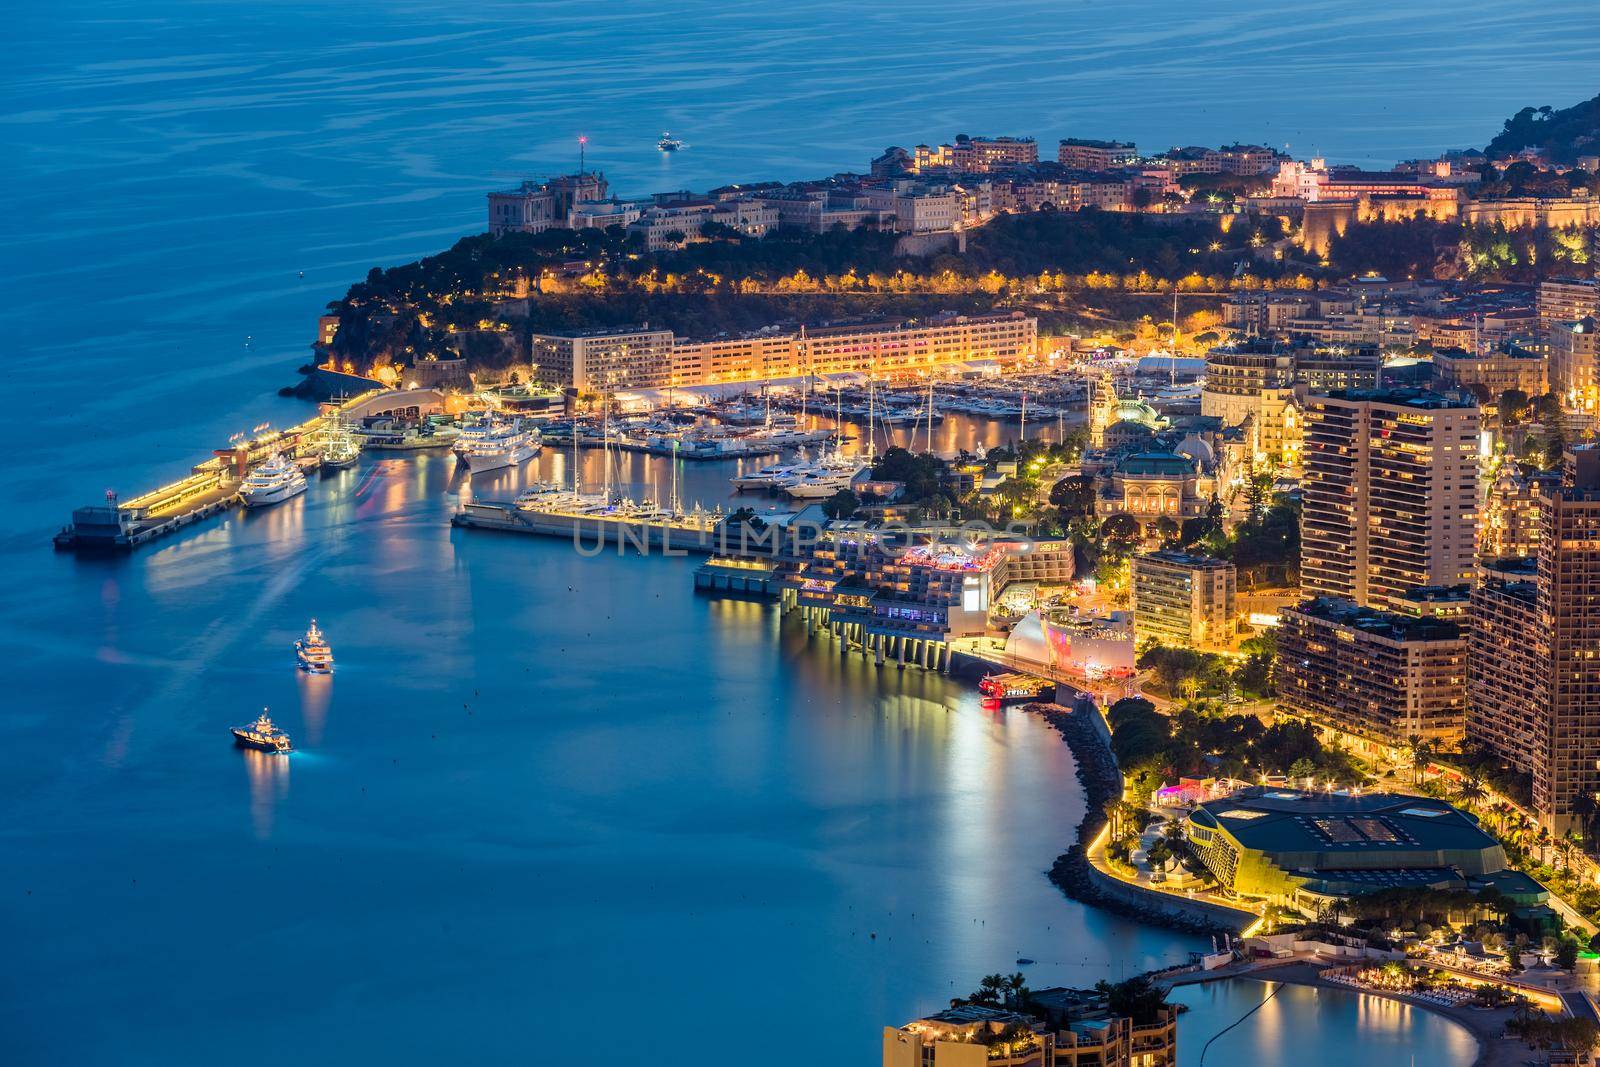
(1077, 1030)
(1510, 524)
(1567, 300)
(1536, 669)
(534, 207)
(1252, 385)
(976, 155)
(881, 348)
(1309, 851)
(1494, 371)
(1152, 485)
(1389, 494)
(602, 361)
(1377, 674)
(1573, 378)
(903, 594)
(1083, 154)
(1184, 600)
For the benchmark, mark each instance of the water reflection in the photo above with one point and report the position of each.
(1348, 1027)
(268, 774)
(316, 692)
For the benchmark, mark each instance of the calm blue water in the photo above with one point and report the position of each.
(540, 793)
(1292, 1028)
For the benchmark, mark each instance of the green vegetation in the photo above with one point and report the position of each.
(1199, 741)
(579, 279)
(1562, 135)
(1186, 673)
(1266, 546)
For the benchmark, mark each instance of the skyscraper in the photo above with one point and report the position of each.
(1534, 657)
(1390, 494)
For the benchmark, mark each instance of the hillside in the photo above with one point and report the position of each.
(1563, 135)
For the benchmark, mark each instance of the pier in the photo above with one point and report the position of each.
(212, 485)
(592, 533)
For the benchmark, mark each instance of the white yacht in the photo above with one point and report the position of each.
(820, 484)
(770, 475)
(471, 433)
(503, 444)
(273, 482)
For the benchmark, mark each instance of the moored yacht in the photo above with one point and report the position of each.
(504, 444)
(820, 484)
(262, 736)
(273, 482)
(313, 653)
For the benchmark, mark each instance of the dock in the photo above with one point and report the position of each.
(212, 485)
(591, 533)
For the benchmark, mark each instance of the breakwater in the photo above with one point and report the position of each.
(1072, 871)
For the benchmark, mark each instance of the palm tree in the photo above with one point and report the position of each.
(1471, 791)
(1420, 750)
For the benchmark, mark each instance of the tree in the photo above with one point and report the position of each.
(1121, 529)
(1074, 496)
(1513, 407)
(841, 505)
(1470, 791)
(1302, 769)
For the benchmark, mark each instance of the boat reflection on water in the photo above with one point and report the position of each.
(269, 784)
(316, 691)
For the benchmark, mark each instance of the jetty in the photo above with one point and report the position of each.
(212, 485)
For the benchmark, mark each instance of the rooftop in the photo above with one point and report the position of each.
(1289, 820)
(1376, 621)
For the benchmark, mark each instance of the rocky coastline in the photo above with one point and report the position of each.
(1102, 783)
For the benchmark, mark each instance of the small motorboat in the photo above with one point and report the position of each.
(669, 143)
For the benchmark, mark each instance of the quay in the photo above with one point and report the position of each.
(212, 486)
(591, 532)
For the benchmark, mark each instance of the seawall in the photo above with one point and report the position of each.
(1089, 738)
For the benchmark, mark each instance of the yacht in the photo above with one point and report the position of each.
(769, 476)
(669, 143)
(273, 482)
(262, 736)
(504, 444)
(819, 485)
(471, 433)
(313, 652)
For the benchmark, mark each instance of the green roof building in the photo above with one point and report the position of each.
(1307, 850)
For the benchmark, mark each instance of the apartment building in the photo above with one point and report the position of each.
(1534, 668)
(976, 155)
(1082, 1033)
(1085, 154)
(1376, 674)
(603, 361)
(1567, 300)
(1507, 709)
(1252, 385)
(1184, 600)
(1574, 354)
(1494, 371)
(1389, 494)
(878, 348)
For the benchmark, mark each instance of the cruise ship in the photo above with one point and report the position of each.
(503, 444)
(273, 482)
(262, 736)
(313, 653)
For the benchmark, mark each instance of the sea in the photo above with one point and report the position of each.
(546, 806)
